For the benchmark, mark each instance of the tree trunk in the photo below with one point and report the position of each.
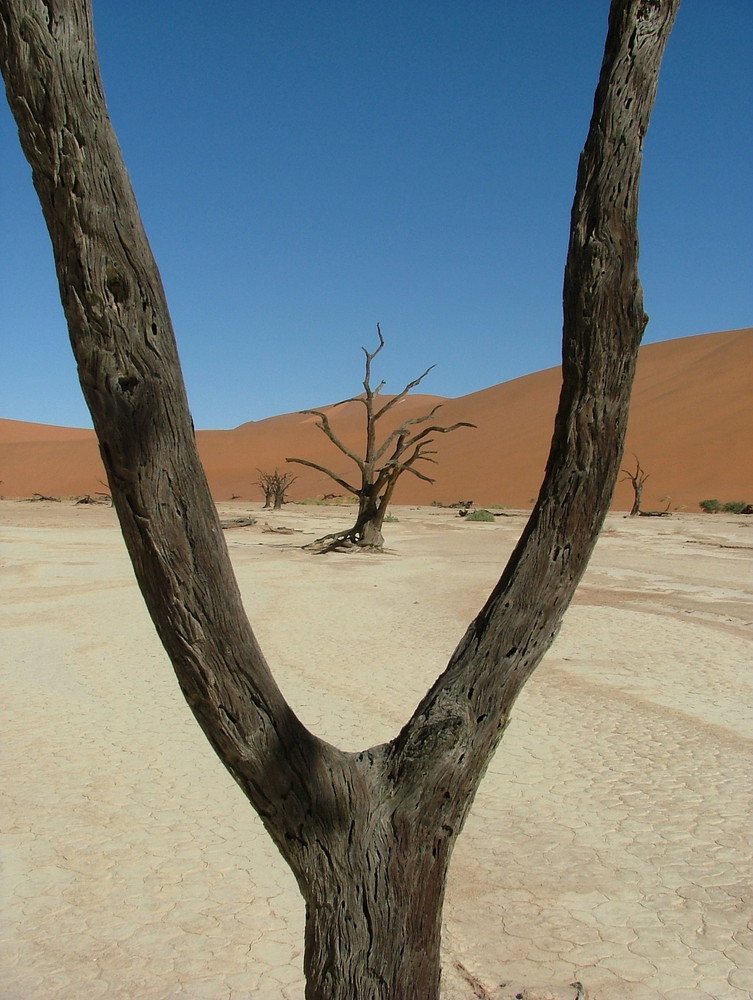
(368, 836)
(375, 931)
(374, 874)
(370, 534)
(372, 509)
(367, 530)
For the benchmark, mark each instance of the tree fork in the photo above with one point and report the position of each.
(352, 827)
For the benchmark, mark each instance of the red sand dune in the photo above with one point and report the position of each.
(690, 425)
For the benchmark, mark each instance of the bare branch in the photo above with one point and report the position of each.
(638, 482)
(419, 455)
(408, 467)
(419, 475)
(401, 395)
(604, 321)
(274, 486)
(324, 425)
(402, 430)
(369, 358)
(638, 477)
(436, 430)
(327, 472)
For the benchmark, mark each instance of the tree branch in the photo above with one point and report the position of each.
(325, 426)
(327, 472)
(462, 718)
(436, 430)
(402, 430)
(370, 393)
(408, 467)
(638, 477)
(123, 340)
(401, 395)
(128, 365)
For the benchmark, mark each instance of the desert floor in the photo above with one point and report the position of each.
(609, 842)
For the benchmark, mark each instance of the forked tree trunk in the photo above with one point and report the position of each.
(368, 836)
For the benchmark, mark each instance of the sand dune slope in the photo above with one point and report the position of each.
(690, 426)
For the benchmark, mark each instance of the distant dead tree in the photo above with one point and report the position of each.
(382, 463)
(638, 479)
(368, 834)
(274, 486)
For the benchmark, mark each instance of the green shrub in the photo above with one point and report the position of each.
(735, 506)
(480, 515)
(709, 506)
(391, 519)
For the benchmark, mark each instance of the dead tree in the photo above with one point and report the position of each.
(638, 479)
(368, 835)
(274, 486)
(381, 464)
(265, 485)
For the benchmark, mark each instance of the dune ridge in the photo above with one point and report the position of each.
(689, 425)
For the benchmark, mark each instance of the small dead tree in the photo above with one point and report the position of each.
(638, 479)
(381, 464)
(274, 486)
(266, 487)
(369, 834)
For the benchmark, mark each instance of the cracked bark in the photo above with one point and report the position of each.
(369, 836)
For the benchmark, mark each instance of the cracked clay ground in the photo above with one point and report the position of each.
(609, 842)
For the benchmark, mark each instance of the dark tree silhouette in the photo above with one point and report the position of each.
(274, 486)
(638, 480)
(382, 463)
(368, 835)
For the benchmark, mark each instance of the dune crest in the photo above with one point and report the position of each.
(689, 425)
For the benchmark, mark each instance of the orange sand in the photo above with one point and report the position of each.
(690, 426)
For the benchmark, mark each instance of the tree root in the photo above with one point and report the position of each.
(340, 541)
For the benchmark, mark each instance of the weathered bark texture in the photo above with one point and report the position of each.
(381, 464)
(368, 835)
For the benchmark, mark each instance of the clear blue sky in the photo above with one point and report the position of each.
(306, 168)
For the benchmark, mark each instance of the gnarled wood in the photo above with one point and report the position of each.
(381, 465)
(638, 481)
(274, 486)
(369, 835)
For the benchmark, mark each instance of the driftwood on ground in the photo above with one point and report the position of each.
(237, 522)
